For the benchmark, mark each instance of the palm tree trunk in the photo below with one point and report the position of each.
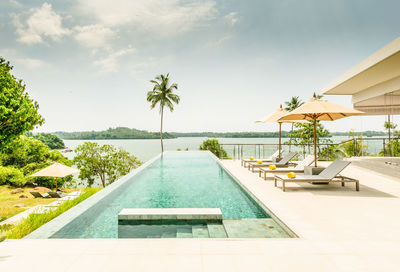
(162, 115)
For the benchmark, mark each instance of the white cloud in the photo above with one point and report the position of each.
(160, 17)
(232, 18)
(15, 4)
(41, 22)
(94, 36)
(21, 61)
(110, 62)
(30, 63)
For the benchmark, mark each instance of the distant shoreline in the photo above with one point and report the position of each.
(123, 133)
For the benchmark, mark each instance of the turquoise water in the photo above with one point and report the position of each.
(177, 180)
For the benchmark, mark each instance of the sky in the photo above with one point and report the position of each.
(89, 63)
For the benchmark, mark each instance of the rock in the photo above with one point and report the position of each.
(17, 191)
(42, 189)
(31, 184)
(23, 196)
(19, 206)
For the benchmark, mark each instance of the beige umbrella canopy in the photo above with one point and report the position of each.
(317, 109)
(276, 117)
(56, 170)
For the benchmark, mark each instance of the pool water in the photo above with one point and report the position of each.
(175, 180)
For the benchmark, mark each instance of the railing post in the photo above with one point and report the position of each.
(384, 145)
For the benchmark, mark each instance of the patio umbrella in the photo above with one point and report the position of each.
(56, 170)
(317, 109)
(275, 117)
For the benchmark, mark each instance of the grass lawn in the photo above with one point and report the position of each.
(34, 221)
(7, 201)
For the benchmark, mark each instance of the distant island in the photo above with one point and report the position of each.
(112, 134)
(131, 133)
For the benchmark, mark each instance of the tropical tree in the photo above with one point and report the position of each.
(51, 140)
(30, 155)
(292, 104)
(18, 112)
(105, 162)
(304, 134)
(163, 95)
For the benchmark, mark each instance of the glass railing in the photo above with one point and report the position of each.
(326, 151)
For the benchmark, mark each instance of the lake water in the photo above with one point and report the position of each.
(146, 149)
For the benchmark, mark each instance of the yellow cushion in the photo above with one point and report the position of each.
(272, 167)
(251, 158)
(291, 175)
(259, 162)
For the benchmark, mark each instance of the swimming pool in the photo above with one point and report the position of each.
(183, 179)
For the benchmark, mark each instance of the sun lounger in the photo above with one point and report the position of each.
(299, 168)
(246, 161)
(282, 163)
(39, 195)
(330, 174)
(55, 194)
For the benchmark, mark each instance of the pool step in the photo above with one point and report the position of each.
(253, 228)
(200, 232)
(216, 231)
(184, 233)
(168, 235)
(153, 236)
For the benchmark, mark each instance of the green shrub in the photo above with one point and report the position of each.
(213, 146)
(34, 167)
(392, 148)
(11, 176)
(355, 146)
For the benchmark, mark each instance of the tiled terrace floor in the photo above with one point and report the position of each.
(339, 229)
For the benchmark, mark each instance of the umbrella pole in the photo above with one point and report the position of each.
(280, 131)
(315, 143)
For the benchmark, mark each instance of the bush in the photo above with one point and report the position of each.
(213, 146)
(354, 146)
(11, 176)
(392, 148)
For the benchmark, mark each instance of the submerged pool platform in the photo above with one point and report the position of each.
(175, 180)
(192, 223)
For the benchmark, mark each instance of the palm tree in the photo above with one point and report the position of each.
(292, 104)
(163, 95)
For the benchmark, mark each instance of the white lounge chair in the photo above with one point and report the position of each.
(282, 163)
(269, 159)
(299, 168)
(330, 174)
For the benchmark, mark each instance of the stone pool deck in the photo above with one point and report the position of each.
(339, 229)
